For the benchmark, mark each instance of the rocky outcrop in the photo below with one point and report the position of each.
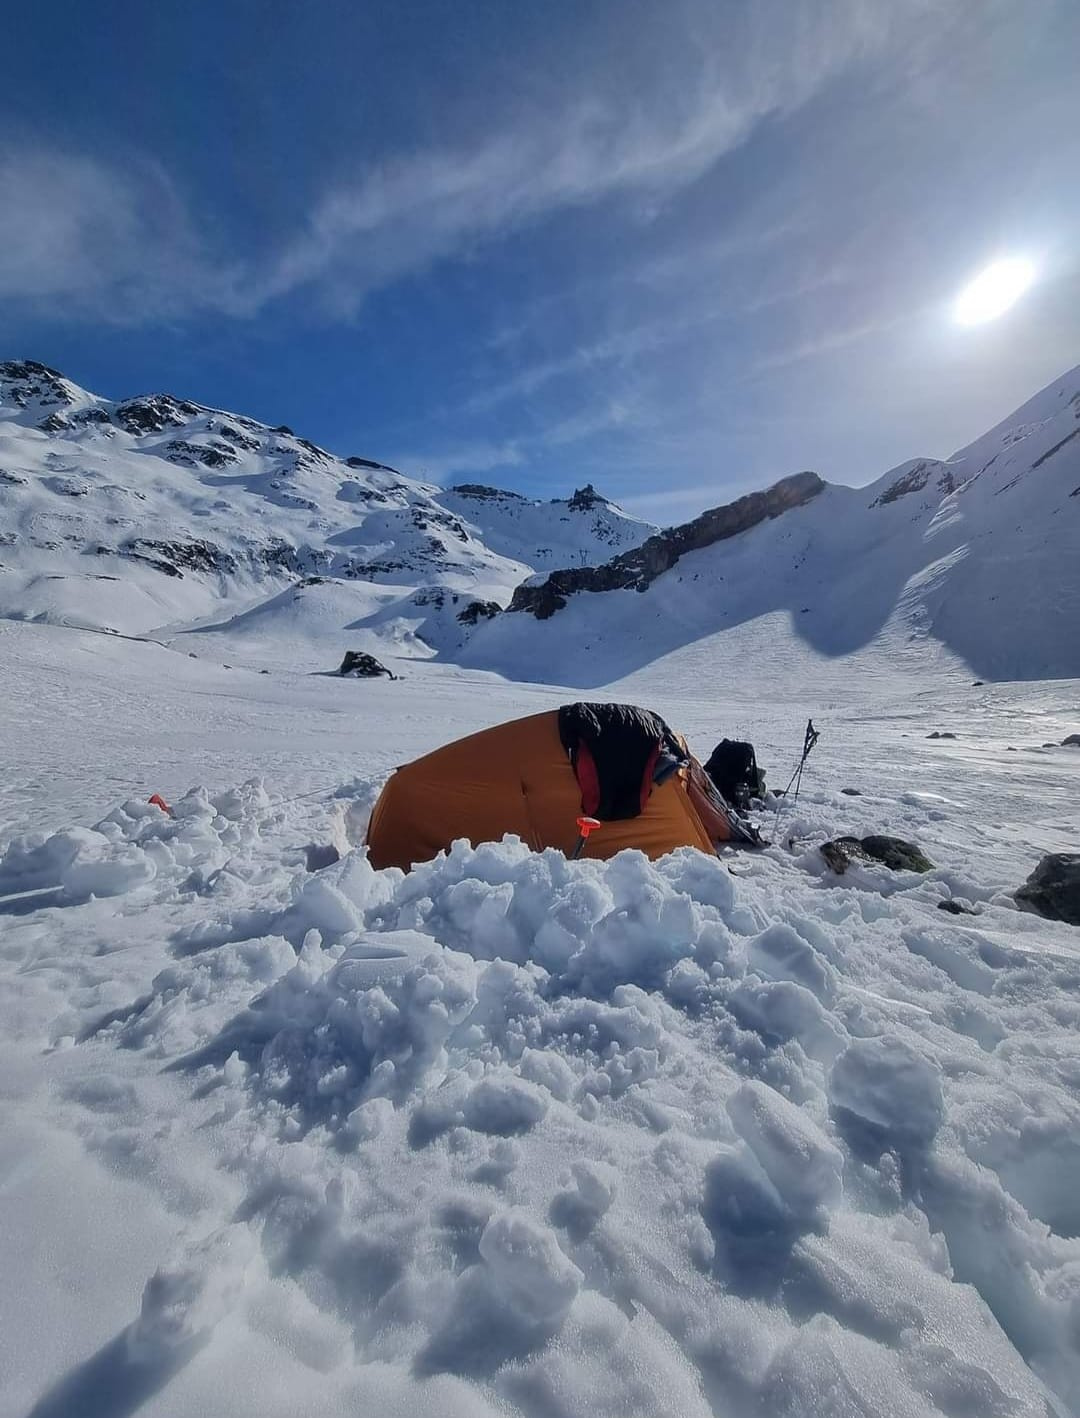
(360, 666)
(194, 455)
(476, 611)
(154, 413)
(1053, 888)
(25, 380)
(585, 499)
(482, 492)
(891, 852)
(915, 479)
(638, 568)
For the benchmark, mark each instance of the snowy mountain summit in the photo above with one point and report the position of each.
(157, 515)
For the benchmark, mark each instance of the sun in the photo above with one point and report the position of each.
(993, 291)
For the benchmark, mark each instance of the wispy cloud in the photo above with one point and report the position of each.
(442, 463)
(121, 241)
(113, 244)
(403, 215)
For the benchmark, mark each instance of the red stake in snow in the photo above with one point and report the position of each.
(585, 826)
(160, 802)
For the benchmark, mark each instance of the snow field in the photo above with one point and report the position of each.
(514, 1134)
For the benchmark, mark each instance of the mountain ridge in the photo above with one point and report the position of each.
(977, 555)
(160, 515)
(102, 499)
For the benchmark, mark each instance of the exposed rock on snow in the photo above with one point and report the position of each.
(891, 852)
(362, 666)
(1053, 888)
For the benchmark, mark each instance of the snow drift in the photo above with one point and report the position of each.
(518, 1134)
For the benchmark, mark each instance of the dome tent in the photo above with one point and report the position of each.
(522, 778)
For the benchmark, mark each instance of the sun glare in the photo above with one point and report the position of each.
(993, 291)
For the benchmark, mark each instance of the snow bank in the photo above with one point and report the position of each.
(617, 1137)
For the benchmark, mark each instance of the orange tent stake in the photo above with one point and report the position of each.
(585, 826)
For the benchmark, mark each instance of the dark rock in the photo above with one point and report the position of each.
(22, 380)
(193, 455)
(937, 734)
(891, 852)
(956, 908)
(316, 452)
(1051, 451)
(851, 792)
(362, 666)
(27, 369)
(585, 499)
(283, 428)
(1053, 888)
(976, 683)
(480, 490)
(896, 854)
(637, 568)
(370, 463)
(476, 611)
(841, 852)
(154, 413)
(176, 557)
(1073, 741)
(915, 480)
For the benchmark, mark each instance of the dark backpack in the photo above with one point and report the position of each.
(733, 768)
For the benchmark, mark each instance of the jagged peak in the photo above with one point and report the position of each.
(586, 498)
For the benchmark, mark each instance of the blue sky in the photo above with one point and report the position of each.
(678, 250)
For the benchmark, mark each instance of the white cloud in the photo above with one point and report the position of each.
(480, 457)
(404, 215)
(115, 244)
(119, 240)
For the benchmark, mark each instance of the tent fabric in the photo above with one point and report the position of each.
(515, 778)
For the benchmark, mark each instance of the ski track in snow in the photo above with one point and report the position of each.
(511, 1134)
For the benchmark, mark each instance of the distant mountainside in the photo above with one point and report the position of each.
(157, 515)
(215, 532)
(977, 555)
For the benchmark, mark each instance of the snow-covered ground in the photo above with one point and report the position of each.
(511, 1135)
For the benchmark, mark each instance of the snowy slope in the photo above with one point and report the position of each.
(155, 514)
(976, 558)
(511, 1135)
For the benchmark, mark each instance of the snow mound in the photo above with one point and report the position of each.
(588, 1136)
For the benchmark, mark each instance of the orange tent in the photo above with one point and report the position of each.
(517, 778)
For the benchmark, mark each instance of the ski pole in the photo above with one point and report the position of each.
(810, 738)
